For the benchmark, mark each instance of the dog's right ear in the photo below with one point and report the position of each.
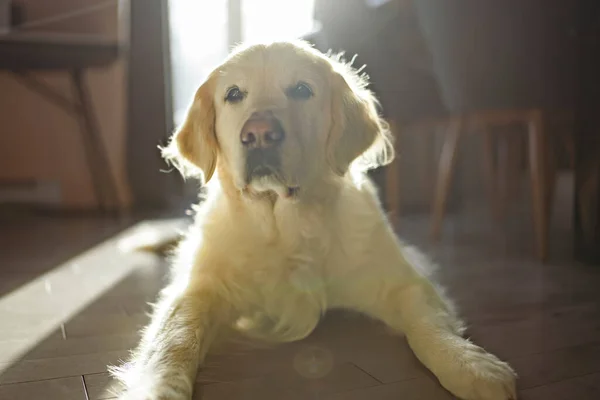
(193, 147)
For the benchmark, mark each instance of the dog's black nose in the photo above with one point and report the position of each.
(262, 130)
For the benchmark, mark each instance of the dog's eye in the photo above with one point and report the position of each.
(234, 95)
(301, 91)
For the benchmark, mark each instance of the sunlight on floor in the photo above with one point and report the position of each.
(33, 311)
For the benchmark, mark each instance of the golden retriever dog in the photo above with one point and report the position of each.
(282, 135)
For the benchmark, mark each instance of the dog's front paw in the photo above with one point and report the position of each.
(479, 375)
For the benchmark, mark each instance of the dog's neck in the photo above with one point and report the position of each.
(269, 209)
(319, 191)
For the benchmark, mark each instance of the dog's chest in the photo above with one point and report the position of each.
(299, 246)
(288, 285)
(294, 268)
(286, 302)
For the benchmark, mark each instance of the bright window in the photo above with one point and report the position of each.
(199, 36)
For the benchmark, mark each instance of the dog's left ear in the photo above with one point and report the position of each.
(358, 135)
(193, 147)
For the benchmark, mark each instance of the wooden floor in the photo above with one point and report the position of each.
(71, 303)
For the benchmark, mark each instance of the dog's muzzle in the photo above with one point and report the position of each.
(261, 137)
(262, 163)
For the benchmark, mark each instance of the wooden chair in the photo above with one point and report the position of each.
(501, 161)
(497, 64)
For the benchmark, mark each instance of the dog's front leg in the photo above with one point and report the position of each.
(182, 328)
(434, 334)
(393, 290)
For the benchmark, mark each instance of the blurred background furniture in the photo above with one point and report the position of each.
(586, 218)
(75, 54)
(25, 53)
(123, 104)
(501, 70)
(501, 65)
(386, 38)
(438, 73)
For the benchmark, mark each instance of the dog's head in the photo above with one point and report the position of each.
(280, 117)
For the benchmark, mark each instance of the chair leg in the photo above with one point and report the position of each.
(494, 174)
(570, 147)
(551, 176)
(392, 179)
(446, 168)
(537, 167)
(508, 170)
(97, 157)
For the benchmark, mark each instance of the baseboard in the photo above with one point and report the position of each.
(33, 192)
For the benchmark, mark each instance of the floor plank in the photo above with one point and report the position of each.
(586, 387)
(58, 367)
(415, 389)
(542, 330)
(52, 389)
(290, 383)
(90, 325)
(99, 386)
(82, 345)
(545, 368)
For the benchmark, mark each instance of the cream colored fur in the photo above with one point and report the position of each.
(270, 265)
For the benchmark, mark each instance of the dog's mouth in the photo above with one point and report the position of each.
(266, 179)
(271, 184)
(292, 192)
(262, 171)
(261, 163)
(264, 174)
